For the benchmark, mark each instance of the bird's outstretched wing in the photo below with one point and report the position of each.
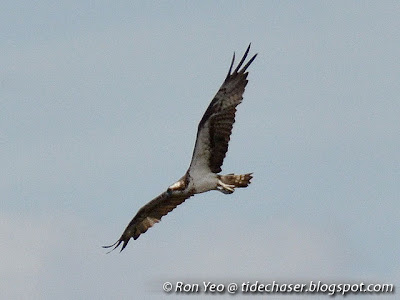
(215, 127)
(148, 215)
(211, 146)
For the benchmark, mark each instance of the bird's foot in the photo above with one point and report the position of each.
(225, 188)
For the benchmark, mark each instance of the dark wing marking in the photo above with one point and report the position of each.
(211, 146)
(149, 215)
(215, 127)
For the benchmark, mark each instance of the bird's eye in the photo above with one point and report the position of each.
(169, 191)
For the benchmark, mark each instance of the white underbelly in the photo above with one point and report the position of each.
(204, 181)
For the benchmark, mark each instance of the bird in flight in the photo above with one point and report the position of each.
(211, 145)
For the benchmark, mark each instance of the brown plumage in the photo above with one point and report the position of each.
(221, 112)
(211, 145)
(148, 215)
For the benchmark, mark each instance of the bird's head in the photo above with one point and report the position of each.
(177, 186)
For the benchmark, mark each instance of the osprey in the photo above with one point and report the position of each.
(211, 145)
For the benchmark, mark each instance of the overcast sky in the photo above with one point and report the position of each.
(99, 106)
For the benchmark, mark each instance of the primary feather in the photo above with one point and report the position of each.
(211, 145)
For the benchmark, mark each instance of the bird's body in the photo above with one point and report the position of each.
(202, 182)
(212, 140)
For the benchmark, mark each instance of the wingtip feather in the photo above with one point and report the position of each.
(243, 59)
(230, 68)
(237, 69)
(115, 245)
(248, 63)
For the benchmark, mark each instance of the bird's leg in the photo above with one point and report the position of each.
(225, 188)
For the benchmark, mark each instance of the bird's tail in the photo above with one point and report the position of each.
(239, 181)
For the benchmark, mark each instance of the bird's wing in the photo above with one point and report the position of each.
(148, 215)
(215, 127)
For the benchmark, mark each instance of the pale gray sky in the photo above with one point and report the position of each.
(99, 106)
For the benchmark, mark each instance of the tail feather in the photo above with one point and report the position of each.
(239, 181)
